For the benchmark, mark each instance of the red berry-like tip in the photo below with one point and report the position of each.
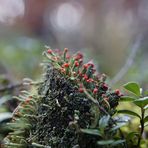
(105, 87)
(95, 90)
(85, 77)
(27, 100)
(49, 51)
(81, 90)
(90, 64)
(65, 49)
(85, 66)
(66, 65)
(117, 92)
(79, 56)
(81, 61)
(76, 63)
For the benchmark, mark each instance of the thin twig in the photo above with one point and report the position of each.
(129, 61)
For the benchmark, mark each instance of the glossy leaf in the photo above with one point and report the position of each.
(117, 142)
(129, 113)
(146, 119)
(127, 98)
(91, 132)
(131, 135)
(117, 127)
(145, 107)
(146, 124)
(5, 116)
(4, 99)
(105, 142)
(141, 102)
(133, 87)
(103, 122)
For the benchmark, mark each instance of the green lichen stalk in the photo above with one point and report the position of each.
(71, 97)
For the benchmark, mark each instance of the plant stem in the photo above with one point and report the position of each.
(142, 126)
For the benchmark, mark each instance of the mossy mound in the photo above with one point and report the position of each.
(64, 104)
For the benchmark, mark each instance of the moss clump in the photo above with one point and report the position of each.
(71, 97)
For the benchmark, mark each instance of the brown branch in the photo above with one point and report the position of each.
(129, 61)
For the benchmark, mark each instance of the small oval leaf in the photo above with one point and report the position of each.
(91, 132)
(146, 119)
(146, 124)
(145, 107)
(127, 98)
(117, 127)
(141, 102)
(132, 135)
(133, 87)
(103, 122)
(105, 142)
(129, 113)
(117, 142)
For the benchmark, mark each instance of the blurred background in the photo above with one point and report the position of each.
(114, 33)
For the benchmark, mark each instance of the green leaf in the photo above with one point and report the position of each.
(117, 127)
(146, 124)
(129, 113)
(133, 87)
(103, 122)
(4, 99)
(145, 107)
(146, 119)
(146, 92)
(141, 102)
(117, 142)
(131, 135)
(105, 142)
(5, 116)
(91, 132)
(127, 98)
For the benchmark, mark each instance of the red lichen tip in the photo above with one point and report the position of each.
(95, 90)
(85, 77)
(85, 66)
(49, 51)
(76, 63)
(117, 92)
(90, 64)
(81, 90)
(65, 49)
(27, 100)
(105, 86)
(79, 56)
(66, 65)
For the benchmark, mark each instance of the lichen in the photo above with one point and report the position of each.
(62, 105)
